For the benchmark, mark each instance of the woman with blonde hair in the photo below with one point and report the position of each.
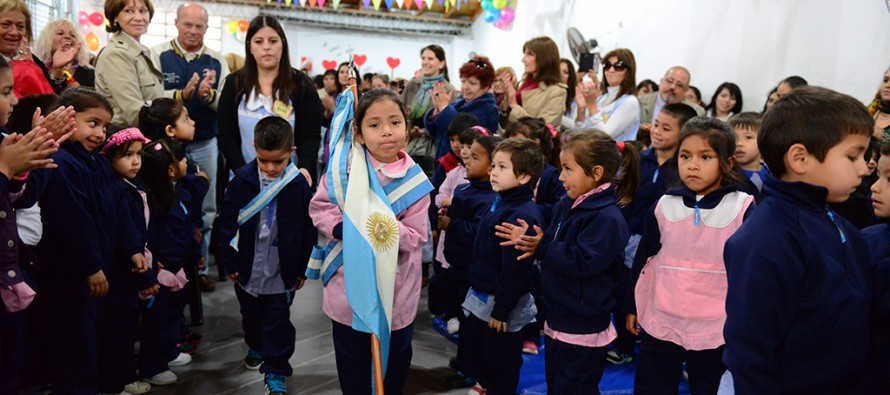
(62, 49)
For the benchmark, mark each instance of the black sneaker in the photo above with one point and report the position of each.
(254, 360)
(275, 384)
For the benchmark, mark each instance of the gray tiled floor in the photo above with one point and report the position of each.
(217, 366)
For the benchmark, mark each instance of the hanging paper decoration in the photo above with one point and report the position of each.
(441, 3)
(329, 64)
(367, 3)
(336, 3)
(312, 3)
(400, 3)
(389, 4)
(320, 3)
(376, 4)
(360, 59)
(429, 4)
(302, 3)
(419, 3)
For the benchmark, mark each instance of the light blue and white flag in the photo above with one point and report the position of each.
(370, 247)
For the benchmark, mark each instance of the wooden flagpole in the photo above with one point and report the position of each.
(376, 359)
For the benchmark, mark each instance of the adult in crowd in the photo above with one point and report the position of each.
(61, 48)
(417, 96)
(568, 77)
(125, 71)
(789, 84)
(499, 88)
(476, 77)
(191, 76)
(726, 102)
(880, 108)
(328, 95)
(29, 73)
(366, 82)
(267, 85)
(541, 94)
(343, 75)
(770, 99)
(611, 105)
(672, 89)
(646, 87)
(693, 94)
(380, 81)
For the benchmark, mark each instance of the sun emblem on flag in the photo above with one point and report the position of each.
(382, 231)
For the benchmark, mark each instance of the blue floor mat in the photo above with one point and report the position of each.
(616, 379)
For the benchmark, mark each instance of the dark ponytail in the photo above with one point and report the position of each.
(154, 118)
(620, 161)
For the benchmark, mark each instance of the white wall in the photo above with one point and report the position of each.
(843, 45)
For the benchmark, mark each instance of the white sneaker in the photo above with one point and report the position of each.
(453, 326)
(164, 378)
(137, 387)
(181, 360)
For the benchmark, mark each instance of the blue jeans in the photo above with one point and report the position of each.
(205, 154)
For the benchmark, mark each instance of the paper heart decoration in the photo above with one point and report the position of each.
(329, 64)
(360, 60)
(393, 62)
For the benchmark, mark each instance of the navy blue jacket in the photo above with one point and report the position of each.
(123, 284)
(655, 180)
(878, 239)
(650, 243)
(550, 191)
(582, 257)
(81, 213)
(296, 233)
(799, 295)
(171, 234)
(483, 107)
(177, 73)
(469, 203)
(494, 269)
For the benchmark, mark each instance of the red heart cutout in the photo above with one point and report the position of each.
(302, 59)
(393, 62)
(360, 60)
(329, 64)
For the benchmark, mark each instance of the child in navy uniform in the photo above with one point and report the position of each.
(499, 302)
(266, 237)
(799, 275)
(878, 239)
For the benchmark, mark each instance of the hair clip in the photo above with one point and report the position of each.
(620, 145)
(482, 130)
(553, 132)
(158, 147)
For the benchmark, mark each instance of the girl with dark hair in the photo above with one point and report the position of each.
(611, 106)
(168, 118)
(267, 85)
(418, 97)
(726, 101)
(541, 94)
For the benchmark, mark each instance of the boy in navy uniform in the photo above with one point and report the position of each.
(266, 237)
(799, 275)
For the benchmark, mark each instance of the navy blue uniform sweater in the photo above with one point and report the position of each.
(582, 257)
(171, 233)
(80, 210)
(878, 239)
(650, 244)
(494, 269)
(798, 299)
(469, 203)
(123, 283)
(296, 233)
(655, 180)
(550, 191)
(178, 72)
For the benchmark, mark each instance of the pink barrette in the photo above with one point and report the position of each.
(158, 147)
(482, 130)
(124, 136)
(553, 132)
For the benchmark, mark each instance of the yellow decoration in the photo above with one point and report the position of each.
(382, 231)
(376, 4)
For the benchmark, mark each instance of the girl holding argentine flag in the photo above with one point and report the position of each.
(377, 227)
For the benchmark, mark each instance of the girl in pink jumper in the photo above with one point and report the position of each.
(678, 272)
(380, 126)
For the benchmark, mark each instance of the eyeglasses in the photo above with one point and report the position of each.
(617, 66)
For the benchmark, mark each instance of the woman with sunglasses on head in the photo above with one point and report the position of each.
(612, 105)
(476, 77)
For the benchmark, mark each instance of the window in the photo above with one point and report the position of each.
(42, 12)
(162, 28)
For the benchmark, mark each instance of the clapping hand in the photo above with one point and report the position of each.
(206, 85)
(190, 87)
(515, 236)
(21, 153)
(509, 89)
(441, 97)
(60, 123)
(64, 56)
